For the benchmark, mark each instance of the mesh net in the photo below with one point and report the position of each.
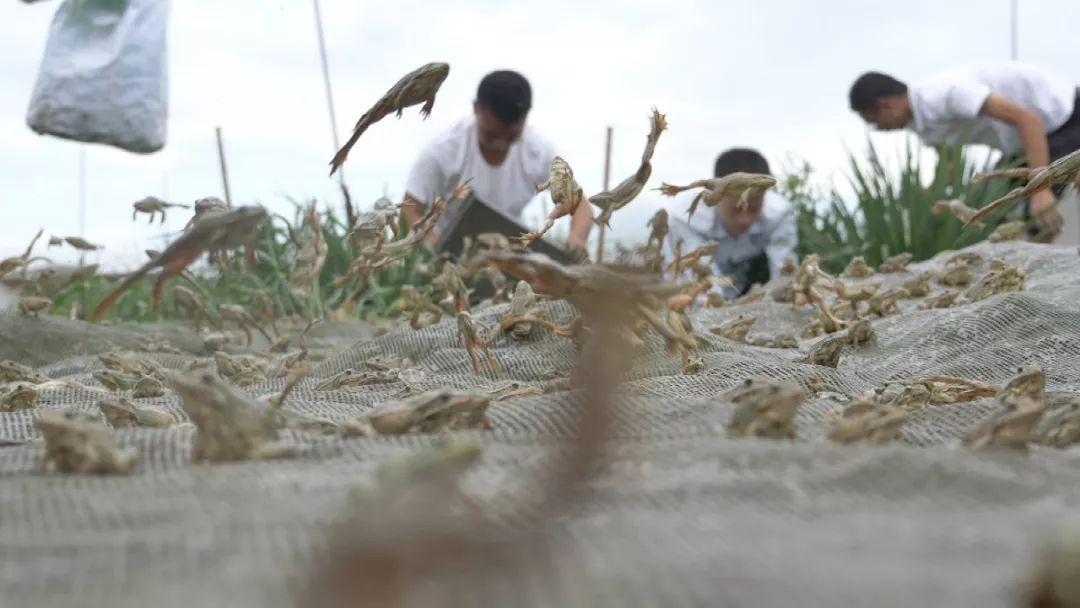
(679, 515)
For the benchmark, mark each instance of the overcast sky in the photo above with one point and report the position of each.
(771, 74)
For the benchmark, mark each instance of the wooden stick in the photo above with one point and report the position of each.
(607, 177)
(224, 173)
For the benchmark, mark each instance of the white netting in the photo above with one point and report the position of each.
(679, 516)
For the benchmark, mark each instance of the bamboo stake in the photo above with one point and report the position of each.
(607, 177)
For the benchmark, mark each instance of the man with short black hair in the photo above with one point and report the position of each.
(494, 147)
(1011, 107)
(753, 239)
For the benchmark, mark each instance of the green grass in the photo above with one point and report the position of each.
(889, 212)
(274, 255)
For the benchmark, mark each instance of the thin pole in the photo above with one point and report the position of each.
(607, 178)
(82, 191)
(1014, 34)
(349, 213)
(326, 78)
(224, 172)
(82, 199)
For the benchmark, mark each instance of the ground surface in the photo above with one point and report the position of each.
(679, 516)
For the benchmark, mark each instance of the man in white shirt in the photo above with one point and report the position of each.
(754, 240)
(504, 157)
(1014, 108)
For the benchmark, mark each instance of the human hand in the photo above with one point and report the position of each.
(1043, 210)
(578, 250)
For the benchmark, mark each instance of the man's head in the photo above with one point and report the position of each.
(881, 100)
(736, 219)
(503, 100)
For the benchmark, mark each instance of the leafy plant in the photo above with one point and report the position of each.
(275, 253)
(890, 212)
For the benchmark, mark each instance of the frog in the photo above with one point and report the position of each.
(231, 426)
(971, 258)
(814, 328)
(857, 268)
(826, 352)
(78, 446)
(1024, 401)
(429, 412)
(917, 286)
(955, 274)
(942, 299)
(950, 389)
(147, 387)
(896, 263)
(34, 304)
(239, 315)
(130, 363)
(780, 340)
(1060, 427)
(16, 396)
(241, 370)
(884, 303)
(121, 413)
(853, 294)
(11, 371)
(79, 415)
(872, 424)
(788, 267)
(352, 377)
(909, 397)
(472, 339)
(860, 332)
(1008, 231)
(115, 380)
(220, 340)
(784, 291)
(1029, 384)
(522, 304)
(736, 328)
(764, 408)
(512, 390)
(1000, 280)
(1010, 427)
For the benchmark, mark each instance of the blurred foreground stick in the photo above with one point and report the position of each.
(417, 539)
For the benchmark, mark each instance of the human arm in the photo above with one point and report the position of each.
(413, 210)
(1029, 125)
(426, 181)
(580, 224)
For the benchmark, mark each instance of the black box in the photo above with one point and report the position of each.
(473, 216)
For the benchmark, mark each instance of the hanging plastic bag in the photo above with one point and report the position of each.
(103, 77)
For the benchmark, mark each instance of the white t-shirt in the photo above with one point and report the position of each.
(773, 233)
(454, 156)
(946, 107)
